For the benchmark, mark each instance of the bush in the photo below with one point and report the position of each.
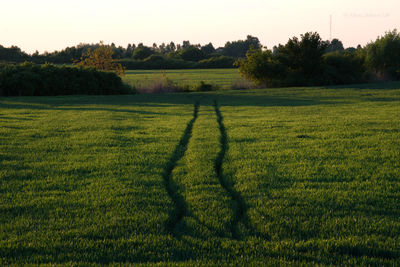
(204, 87)
(261, 67)
(160, 84)
(343, 68)
(29, 79)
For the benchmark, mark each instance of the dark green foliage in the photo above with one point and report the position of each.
(208, 49)
(383, 55)
(344, 68)
(261, 67)
(12, 54)
(142, 52)
(186, 51)
(303, 58)
(239, 48)
(334, 45)
(304, 62)
(203, 87)
(191, 53)
(218, 62)
(28, 79)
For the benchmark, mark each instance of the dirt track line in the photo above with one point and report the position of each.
(180, 206)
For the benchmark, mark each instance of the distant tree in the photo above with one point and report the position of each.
(239, 48)
(260, 67)
(119, 52)
(298, 62)
(350, 49)
(185, 44)
(334, 45)
(101, 58)
(303, 58)
(162, 48)
(191, 53)
(383, 55)
(142, 52)
(171, 47)
(344, 67)
(12, 53)
(129, 51)
(274, 50)
(208, 49)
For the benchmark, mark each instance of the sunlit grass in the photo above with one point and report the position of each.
(308, 176)
(219, 77)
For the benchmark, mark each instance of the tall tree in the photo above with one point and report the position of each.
(101, 58)
(303, 57)
(334, 45)
(383, 55)
(239, 48)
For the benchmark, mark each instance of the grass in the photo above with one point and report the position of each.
(224, 78)
(290, 176)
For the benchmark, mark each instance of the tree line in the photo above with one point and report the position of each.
(140, 56)
(309, 61)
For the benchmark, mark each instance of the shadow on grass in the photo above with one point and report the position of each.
(255, 97)
(382, 85)
(180, 206)
(114, 104)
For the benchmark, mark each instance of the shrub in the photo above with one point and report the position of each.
(343, 68)
(204, 87)
(260, 67)
(29, 79)
(160, 84)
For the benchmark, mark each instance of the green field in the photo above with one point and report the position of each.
(220, 77)
(290, 176)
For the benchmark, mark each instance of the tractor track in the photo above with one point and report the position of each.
(180, 206)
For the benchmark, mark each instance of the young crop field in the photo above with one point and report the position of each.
(289, 176)
(224, 78)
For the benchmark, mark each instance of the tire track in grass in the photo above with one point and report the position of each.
(239, 206)
(180, 206)
(239, 209)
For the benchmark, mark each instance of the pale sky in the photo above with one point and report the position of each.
(55, 24)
